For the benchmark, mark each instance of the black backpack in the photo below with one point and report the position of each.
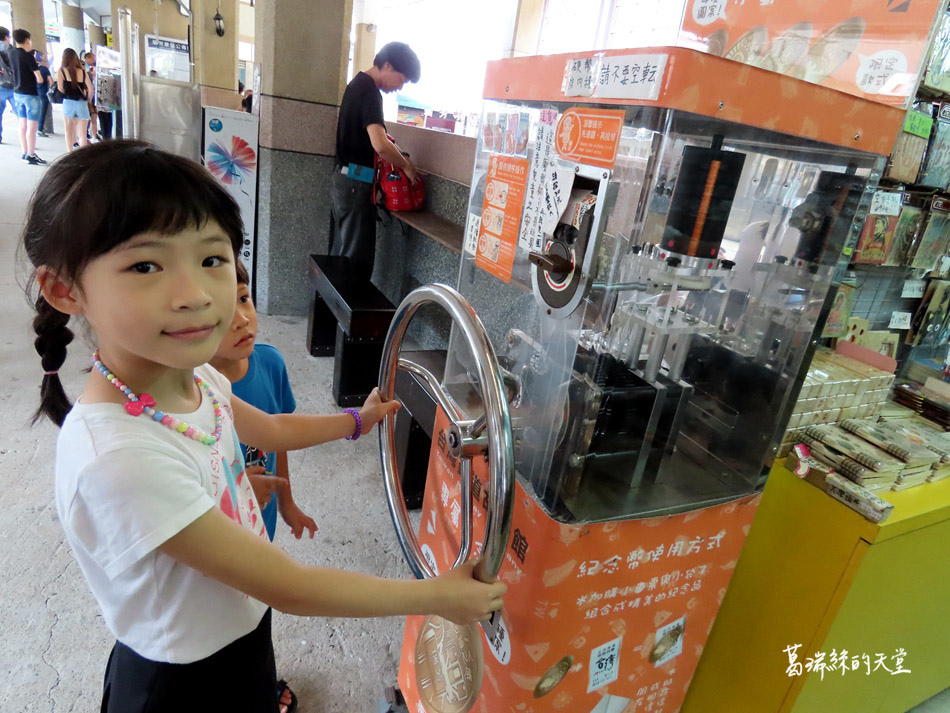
(7, 80)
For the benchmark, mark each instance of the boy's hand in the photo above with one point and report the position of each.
(296, 519)
(463, 599)
(375, 410)
(263, 485)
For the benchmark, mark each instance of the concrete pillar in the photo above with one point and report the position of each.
(303, 49)
(364, 50)
(74, 35)
(96, 35)
(154, 17)
(526, 29)
(28, 15)
(216, 57)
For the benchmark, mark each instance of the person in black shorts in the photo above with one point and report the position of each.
(360, 135)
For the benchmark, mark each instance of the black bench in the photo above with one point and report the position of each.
(349, 318)
(414, 424)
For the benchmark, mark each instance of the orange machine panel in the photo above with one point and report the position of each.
(712, 86)
(598, 618)
(869, 49)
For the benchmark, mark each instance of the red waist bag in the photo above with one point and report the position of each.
(393, 189)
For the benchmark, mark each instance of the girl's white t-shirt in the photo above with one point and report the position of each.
(125, 485)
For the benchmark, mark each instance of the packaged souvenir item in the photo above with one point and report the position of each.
(935, 237)
(892, 441)
(905, 232)
(936, 165)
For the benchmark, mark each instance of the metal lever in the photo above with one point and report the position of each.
(514, 390)
(498, 424)
(550, 262)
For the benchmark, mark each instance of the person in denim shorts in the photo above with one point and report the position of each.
(74, 82)
(6, 76)
(26, 100)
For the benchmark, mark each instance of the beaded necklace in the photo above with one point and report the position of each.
(137, 405)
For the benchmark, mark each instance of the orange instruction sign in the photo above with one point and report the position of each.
(611, 611)
(589, 136)
(501, 215)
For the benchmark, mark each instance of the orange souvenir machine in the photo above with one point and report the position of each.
(653, 237)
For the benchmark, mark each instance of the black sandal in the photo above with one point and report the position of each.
(281, 687)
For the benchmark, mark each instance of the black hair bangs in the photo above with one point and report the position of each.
(94, 199)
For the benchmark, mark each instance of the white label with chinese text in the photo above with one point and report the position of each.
(604, 664)
(886, 203)
(530, 237)
(500, 643)
(430, 558)
(471, 235)
(634, 76)
(900, 320)
(579, 76)
(913, 289)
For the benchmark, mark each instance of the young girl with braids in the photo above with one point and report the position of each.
(150, 482)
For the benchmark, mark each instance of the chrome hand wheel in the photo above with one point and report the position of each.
(466, 438)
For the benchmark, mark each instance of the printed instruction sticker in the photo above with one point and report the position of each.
(604, 664)
(900, 320)
(913, 289)
(498, 232)
(589, 136)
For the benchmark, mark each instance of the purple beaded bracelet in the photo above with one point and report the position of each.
(359, 423)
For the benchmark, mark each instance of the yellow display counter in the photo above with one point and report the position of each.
(816, 573)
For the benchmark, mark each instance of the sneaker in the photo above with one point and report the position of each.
(36, 160)
(43, 134)
(76, 145)
(24, 158)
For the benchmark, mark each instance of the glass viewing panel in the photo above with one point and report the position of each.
(655, 338)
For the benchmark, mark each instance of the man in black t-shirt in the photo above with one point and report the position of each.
(25, 97)
(360, 135)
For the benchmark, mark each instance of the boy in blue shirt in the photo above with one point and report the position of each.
(258, 376)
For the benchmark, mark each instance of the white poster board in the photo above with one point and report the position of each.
(167, 57)
(229, 151)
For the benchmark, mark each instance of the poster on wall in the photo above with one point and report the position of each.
(167, 57)
(229, 150)
(872, 50)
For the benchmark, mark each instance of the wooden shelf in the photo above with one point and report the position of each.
(913, 187)
(444, 232)
(932, 94)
